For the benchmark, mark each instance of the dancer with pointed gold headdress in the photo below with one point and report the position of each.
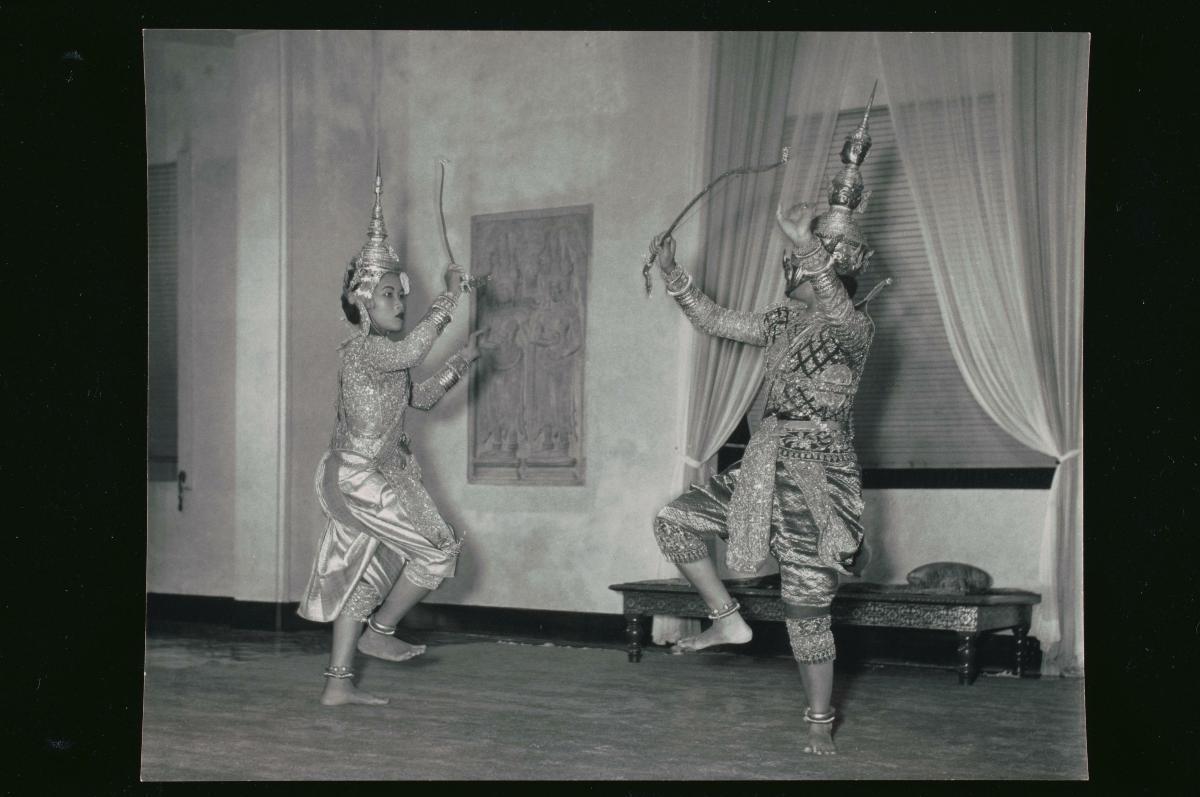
(797, 492)
(385, 545)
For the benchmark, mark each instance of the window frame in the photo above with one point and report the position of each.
(986, 475)
(162, 322)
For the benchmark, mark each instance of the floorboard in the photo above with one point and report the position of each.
(242, 705)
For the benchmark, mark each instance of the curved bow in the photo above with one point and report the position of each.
(649, 261)
(442, 212)
(469, 282)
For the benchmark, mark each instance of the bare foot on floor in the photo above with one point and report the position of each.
(387, 647)
(731, 630)
(820, 739)
(340, 692)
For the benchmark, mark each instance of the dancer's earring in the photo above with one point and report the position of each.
(364, 318)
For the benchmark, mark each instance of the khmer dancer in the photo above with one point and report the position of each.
(797, 492)
(385, 545)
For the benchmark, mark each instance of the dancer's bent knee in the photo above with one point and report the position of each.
(812, 638)
(421, 577)
(677, 544)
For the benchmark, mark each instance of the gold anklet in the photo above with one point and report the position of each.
(725, 610)
(819, 719)
(386, 630)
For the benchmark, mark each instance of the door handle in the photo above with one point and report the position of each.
(181, 479)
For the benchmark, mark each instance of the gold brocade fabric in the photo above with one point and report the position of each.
(812, 639)
(750, 505)
(803, 452)
(813, 369)
(378, 527)
(813, 528)
(362, 601)
(380, 520)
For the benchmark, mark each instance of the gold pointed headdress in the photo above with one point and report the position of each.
(837, 228)
(377, 257)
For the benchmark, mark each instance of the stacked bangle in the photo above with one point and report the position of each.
(688, 298)
(441, 310)
(819, 719)
(726, 610)
(456, 366)
(441, 317)
(380, 628)
(679, 283)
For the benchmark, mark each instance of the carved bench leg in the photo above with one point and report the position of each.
(966, 658)
(633, 637)
(1021, 647)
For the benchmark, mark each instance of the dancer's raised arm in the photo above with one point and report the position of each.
(410, 351)
(705, 314)
(428, 393)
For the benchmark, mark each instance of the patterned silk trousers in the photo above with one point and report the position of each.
(808, 586)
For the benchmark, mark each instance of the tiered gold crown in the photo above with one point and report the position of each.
(837, 228)
(377, 257)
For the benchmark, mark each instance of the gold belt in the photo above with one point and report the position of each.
(837, 427)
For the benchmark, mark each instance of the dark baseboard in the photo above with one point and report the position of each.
(957, 478)
(166, 608)
(499, 621)
(209, 610)
(593, 627)
(857, 646)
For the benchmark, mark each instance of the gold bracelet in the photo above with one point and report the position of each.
(441, 318)
(448, 378)
(676, 275)
(686, 285)
(690, 299)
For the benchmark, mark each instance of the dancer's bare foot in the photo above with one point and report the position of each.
(731, 630)
(820, 739)
(387, 647)
(341, 692)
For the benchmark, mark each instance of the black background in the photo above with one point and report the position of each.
(73, 379)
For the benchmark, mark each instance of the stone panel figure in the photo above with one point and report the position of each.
(526, 413)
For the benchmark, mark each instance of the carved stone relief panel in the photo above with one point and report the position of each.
(526, 391)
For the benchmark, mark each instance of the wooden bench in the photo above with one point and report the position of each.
(856, 604)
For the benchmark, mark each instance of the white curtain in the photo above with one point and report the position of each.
(991, 131)
(759, 80)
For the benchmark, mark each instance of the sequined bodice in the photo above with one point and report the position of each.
(813, 375)
(372, 402)
(814, 360)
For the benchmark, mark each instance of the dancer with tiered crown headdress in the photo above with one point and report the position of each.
(797, 492)
(385, 545)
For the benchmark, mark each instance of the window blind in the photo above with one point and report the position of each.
(913, 408)
(162, 295)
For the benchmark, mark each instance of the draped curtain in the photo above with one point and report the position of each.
(759, 79)
(1004, 239)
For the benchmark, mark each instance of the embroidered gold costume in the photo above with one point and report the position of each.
(381, 522)
(797, 492)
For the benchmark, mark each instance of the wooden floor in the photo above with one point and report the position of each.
(237, 705)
